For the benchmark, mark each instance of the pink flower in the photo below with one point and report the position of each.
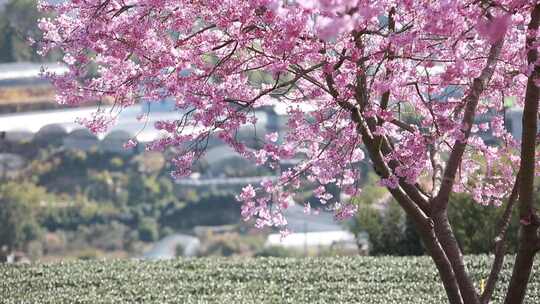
(307, 60)
(272, 137)
(391, 182)
(495, 29)
(331, 28)
(284, 233)
(345, 211)
(132, 143)
(307, 208)
(248, 193)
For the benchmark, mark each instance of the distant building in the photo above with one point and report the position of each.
(316, 241)
(316, 232)
(27, 73)
(513, 122)
(170, 247)
(23, 89)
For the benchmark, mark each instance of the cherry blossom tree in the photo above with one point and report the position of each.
(398, 84)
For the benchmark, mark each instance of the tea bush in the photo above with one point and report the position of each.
(260, 280)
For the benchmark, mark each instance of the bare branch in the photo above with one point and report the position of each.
(181, 41)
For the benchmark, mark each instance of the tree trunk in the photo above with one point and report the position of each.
(426, 231)
(446, 237)
(430, 217)
(522, 268)
(446, 272)
(528, 238)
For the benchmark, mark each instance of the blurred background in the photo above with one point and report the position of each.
(66, 193)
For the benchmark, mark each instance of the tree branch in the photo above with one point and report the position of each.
(500, 245)
(443, 229)
(181, 41)
(528, 240)
(422, 222)
(471, 102)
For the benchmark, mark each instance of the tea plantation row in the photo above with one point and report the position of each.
(263, 280)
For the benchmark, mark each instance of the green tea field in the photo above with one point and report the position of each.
(262, 280)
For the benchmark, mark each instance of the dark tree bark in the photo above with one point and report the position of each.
(429, 212)
(500, 245)
(528, 238)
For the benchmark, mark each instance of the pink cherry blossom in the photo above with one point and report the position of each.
(396, 85)
(414, 89)
(131, 143)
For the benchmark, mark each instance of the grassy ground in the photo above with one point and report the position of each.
(265, 280)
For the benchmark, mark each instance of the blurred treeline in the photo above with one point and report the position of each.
(391, 232)
(19, 31)
(68, 202)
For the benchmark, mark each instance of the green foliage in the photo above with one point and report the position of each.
(107, 237)
(18, 24)
(231, 244)
(371, 192)
(380, 280)
(89, 254)
(99, 187)
(179, 250)
(70, 214)
(390, 231)
(148, 230)
(98, 198)
(117, 162)
(19, 204)
(150, 162)
(279, 252)
(475, 225)
(212, 209)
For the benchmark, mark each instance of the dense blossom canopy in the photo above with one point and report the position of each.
(349, 73)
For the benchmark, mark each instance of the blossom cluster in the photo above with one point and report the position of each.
(400, 67)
